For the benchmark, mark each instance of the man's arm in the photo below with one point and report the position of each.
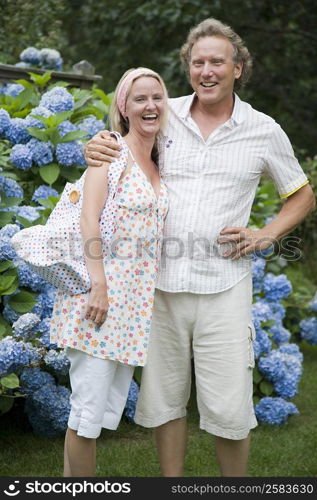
(101, 149)
(245, 241)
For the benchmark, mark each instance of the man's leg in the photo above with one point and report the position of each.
(223, 356)
(166, 378)
(171, 440)
(232, 456)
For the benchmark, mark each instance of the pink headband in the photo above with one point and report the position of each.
(125, 84)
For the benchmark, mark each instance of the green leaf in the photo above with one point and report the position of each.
(25, 83)
(42, 135)
(58, 118)
(6, 404)
(50, 173)
(40, 80)
(6, 282)
(6, 218)
(74, 136)
(103, 96)
(2, 331)
(9, 201)
(138, 374)
(70, 173)
(49, 202)
(257, 376)
(54, 135)
(22, 302)
(26, 222)
(10, 381)
(6, 264)
(25, 97)
(266, 388)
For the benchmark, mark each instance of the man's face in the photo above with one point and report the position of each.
(212, 70)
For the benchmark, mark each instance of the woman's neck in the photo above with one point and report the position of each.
(141, 145)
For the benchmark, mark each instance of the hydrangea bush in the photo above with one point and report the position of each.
(42, 131)
(278, 367)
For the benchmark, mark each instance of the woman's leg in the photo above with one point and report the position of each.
(79, 455)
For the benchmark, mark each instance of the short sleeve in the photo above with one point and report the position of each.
(282, 166)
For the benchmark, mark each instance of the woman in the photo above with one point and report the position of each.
(106, 331)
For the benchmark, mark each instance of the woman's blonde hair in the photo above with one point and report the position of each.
(117, 121)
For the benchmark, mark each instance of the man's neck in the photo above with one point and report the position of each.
(210, 117)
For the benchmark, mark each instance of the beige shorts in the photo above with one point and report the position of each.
(100, 389)
(217, 331)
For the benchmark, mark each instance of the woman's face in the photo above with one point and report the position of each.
(146, 106)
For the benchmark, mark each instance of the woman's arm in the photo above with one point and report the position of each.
(94, 198)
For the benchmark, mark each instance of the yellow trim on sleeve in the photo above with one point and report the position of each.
(294, 190)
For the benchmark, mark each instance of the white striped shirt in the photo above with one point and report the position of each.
(211, 185)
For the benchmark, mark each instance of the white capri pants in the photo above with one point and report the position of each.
(217, 331)
(99, 392)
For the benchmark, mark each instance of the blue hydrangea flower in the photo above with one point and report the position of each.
(33, 378)
(48, 410)
(262, 344)
(276, 287)
(11, 188)
(50, 59)
(12, 89)
(43, 192)
(39, 111)
(7, 251)
(44, 329)
(129, 410)
(16, 132)
(41, 152)
(274, 411)
(45, 302)
(58, 361)
(293, 350)
(27, 212)
(9, 314)
(9, 230)
(70, 153)
(30, 55)
(261, 311)
(287, 387)
(57, 100)
(283, 367)
(280, 334)
(30, 121)
(91, 125)
(24, 325)
(21, 156)
(16, 354)
(29, 278)
(4, 121)
(65, 127)
(258, 271)
(308, 330)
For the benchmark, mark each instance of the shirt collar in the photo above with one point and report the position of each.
(238, 113)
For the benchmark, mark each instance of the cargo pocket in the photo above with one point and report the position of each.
(251, 338)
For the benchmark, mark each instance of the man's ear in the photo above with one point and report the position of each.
(238, 70)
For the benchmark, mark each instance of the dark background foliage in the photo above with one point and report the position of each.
(117, 34)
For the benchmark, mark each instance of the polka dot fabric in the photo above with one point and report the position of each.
(55, 251)
(131, 271)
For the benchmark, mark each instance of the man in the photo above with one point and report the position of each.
(212, 156)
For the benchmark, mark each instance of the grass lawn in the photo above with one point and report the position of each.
(283, 451)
